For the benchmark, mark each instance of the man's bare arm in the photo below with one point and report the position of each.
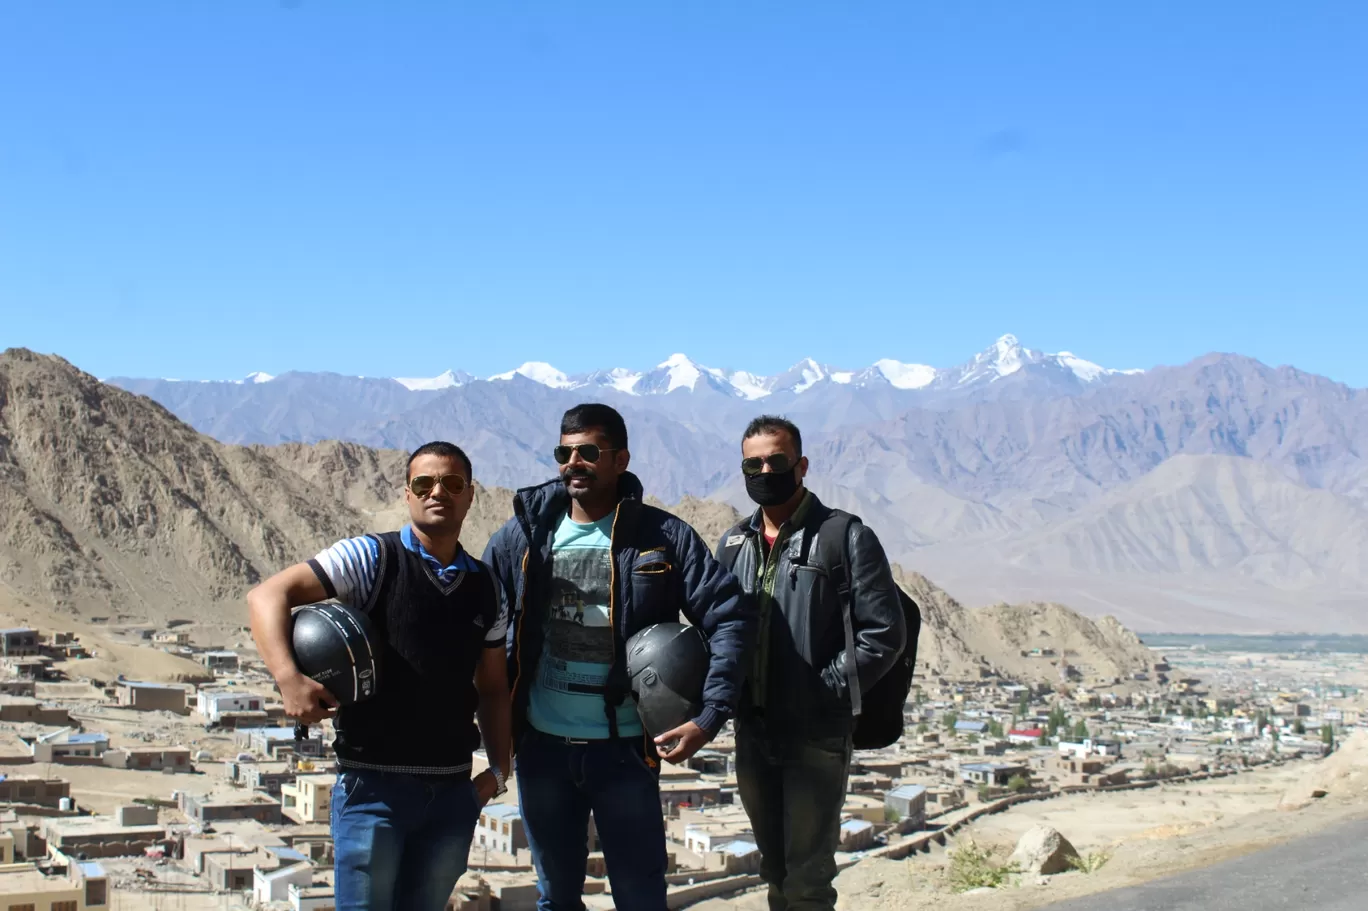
(268, 607)
(495, 712)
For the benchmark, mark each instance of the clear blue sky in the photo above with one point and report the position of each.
(203, 189)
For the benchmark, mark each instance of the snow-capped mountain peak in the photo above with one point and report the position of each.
(749, 385)
(682, 373)
(905, 376)
(1086, 371)
(799, 378)
(444, 380)
(622, 380)
(538, 372)
(1006, 356)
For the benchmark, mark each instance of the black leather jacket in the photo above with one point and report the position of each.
(814, 655)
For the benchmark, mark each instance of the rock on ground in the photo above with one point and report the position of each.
(1043, 850)
(1344, 772)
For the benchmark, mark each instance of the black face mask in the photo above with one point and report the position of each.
(770, 488)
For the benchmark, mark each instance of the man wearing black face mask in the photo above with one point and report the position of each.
(813, 660)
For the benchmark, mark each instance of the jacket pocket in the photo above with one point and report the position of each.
(818, 634)
(655, 584)
(817, 630)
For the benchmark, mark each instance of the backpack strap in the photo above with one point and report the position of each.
(833, 535)
(833, 556)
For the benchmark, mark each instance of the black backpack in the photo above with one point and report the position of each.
(880, 722)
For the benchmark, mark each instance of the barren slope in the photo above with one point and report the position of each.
(109, 505)
(1204, 513)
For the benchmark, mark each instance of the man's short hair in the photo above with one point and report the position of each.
(770, 423)
(596, 416)
(440, 448)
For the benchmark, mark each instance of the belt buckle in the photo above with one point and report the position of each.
(570, 741)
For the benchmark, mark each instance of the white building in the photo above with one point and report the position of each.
(308, 799)
(311, 898)
(213, 704)
(67, 744)
(221, 661)
(501, 829)
(274, 885)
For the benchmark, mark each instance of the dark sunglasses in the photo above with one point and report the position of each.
(587, 451)
(778, 463)
(423, 484)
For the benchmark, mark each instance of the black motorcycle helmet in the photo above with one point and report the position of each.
(336, 646)
(667, 664)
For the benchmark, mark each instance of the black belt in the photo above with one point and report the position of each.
(571, 741)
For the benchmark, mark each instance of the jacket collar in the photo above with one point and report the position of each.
(542, 504)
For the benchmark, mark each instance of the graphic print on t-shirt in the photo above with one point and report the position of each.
(577, 629)
(577, 652)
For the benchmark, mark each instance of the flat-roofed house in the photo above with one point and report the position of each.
(152, 697)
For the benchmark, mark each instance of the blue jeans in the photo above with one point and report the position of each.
(793, 789)
(559, 784)
(400, 842)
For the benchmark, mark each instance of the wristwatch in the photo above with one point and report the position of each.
(500, 787)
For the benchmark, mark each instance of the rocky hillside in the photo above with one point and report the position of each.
(110, 506)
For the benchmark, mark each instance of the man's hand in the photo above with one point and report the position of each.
(306, 699)
(485, 786)
(688, 739)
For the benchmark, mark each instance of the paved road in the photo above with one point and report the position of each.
(1327, 872)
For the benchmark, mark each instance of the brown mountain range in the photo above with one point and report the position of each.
(112, 509)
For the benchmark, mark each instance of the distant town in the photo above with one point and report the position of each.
(124, 793)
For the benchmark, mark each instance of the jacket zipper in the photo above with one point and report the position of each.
(517, 634)
(520, 511)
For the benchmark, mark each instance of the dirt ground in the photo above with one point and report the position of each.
(103, 790)
(1149, 834)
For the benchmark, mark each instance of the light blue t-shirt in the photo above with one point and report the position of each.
(567, 695)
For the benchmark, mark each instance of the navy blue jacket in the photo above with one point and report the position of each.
(661, 569)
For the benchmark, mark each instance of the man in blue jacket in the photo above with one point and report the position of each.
(584, 564)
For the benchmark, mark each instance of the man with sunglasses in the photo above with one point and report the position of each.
(803, 683)
(404, 807)
(585, 564)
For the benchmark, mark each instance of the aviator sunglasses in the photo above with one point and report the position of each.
(587, 451)
(778, 463)
(423, 484)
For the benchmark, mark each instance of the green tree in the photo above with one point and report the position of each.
(1298, 727)
(1024, 708)
(922, 728)
(1080, 731)
(1328, 735)
(949, 720)
(1017, 783)
(995, 729)
(1056, 720)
